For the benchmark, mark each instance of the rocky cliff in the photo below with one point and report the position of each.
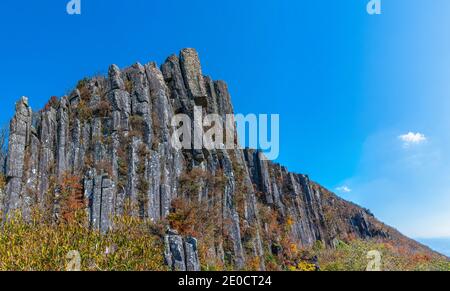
(112, 135)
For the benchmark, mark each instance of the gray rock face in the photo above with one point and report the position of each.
(174, 252)
(19, 139)
(191, 253)
(174, 79)
(121, 110)
(99, 192)
(3, 152)
(181, 254)
(192, 72)
(2, 164)
(113, 135)
(63, 133)
(115, 78)
(140, 99)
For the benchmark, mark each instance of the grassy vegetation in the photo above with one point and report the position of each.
(354, 256)
(137, 245)
(37, 245)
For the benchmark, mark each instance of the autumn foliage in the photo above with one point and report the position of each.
(52, 103)
(72, 197)
(2, 182)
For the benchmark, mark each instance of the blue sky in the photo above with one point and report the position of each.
(346, 84)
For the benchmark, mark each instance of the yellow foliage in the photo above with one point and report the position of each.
(253, 264)
(306, 267)
(294, 248)
(2, 182)
(303, 267)
(37, 245)
(290, 221)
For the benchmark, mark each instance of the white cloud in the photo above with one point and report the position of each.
(407, 189)
(412, 138)
(344, 189)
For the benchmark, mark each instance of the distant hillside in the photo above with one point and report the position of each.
(441, 245)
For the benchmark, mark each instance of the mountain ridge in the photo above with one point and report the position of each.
(112, 134)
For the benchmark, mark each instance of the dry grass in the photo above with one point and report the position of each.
(353, 256)
(37, 245)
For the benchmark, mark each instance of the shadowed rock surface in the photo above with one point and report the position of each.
(114, 133)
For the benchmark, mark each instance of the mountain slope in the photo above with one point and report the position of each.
(112, 136)
(441, 245)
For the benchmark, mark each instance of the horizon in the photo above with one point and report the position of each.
(363, 99)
